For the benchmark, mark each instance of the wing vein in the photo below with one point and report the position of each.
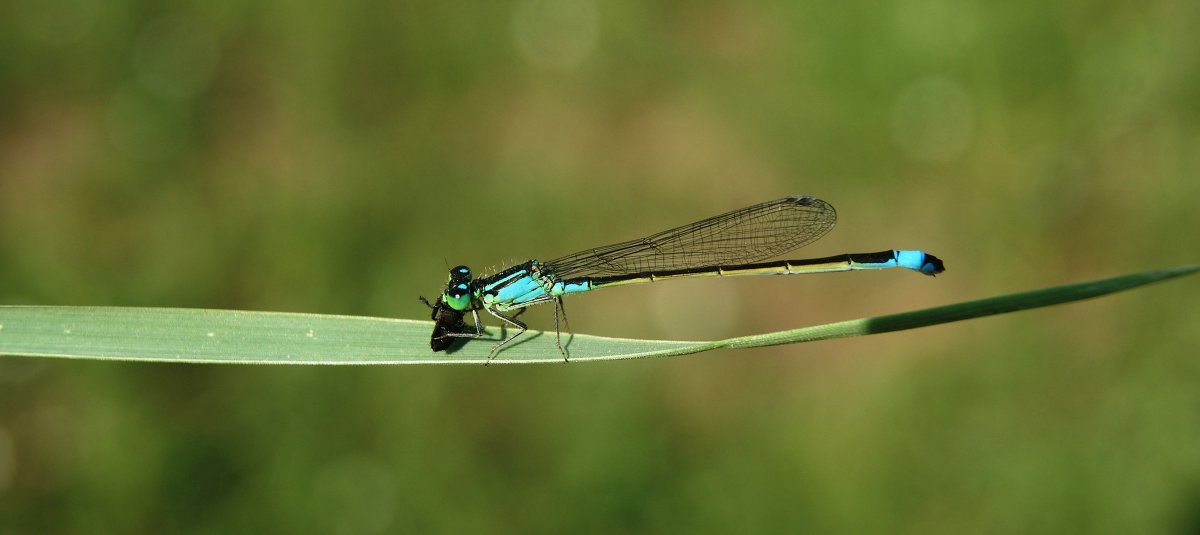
(749, 234)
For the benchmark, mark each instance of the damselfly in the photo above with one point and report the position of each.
(733, 243)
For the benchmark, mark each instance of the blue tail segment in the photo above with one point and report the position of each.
(919, 261)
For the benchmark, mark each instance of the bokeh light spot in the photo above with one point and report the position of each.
(555, 34)
(937, 28)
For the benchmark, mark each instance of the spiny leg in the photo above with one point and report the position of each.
(558, 306)
(563, 308)
(433, 309)
(478, 329)
(512, 320)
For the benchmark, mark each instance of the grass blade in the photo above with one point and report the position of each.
(226, 336)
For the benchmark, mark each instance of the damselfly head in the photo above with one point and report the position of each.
(458, 290)
(460, 274)
(457, 296)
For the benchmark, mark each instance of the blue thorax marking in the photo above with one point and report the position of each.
(519, 285)
(506, 279)
(518, 288)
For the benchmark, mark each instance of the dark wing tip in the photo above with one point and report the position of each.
(807, 200)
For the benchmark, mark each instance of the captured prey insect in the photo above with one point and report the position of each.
(733, 243)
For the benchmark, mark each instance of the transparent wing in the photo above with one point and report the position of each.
(750, 234)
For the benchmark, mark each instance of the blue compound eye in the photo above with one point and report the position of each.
(458, 296)
(460, 274)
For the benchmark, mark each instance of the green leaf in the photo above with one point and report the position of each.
(226, 336)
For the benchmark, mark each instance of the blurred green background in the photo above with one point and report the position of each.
(336, 158)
